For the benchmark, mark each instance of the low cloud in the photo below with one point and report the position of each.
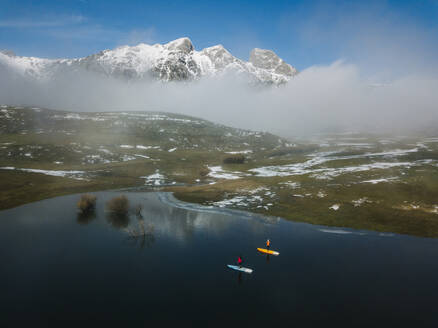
(320, 99)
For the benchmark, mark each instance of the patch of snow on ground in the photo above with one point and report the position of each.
(421, 145)
(66, 174)
(360, 201)
(242, 201)
(155, 179)
(355, 145)
(106, 151)
(326, 173)
(257, 190)
(143, 156)
(293, 185)
(146, 147)
(321, 194)
(335, 207)
(218, 173)
(172, 150)
(239, 152)
(126, 158)
(375, 181)
(95, 159)
(126, 146)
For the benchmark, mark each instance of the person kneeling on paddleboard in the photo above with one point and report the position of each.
(239, 261)
(268, 244)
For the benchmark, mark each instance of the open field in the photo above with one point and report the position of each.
(382, 183)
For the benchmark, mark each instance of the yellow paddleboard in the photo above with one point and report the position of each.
(267, 251)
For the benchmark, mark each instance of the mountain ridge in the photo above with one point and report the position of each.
(174, 61)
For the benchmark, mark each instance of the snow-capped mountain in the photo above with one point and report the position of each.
(173, 61)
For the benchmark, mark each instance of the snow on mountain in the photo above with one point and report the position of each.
(173, 61)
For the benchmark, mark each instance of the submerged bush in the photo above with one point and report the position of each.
(87, 203)
(118, 212)
(118, 205)
(234, 159)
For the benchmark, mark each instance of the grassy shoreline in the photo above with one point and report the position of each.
(313, 211)
(386, 184)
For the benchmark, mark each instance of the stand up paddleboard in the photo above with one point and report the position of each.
(267, 251)
(238, 268)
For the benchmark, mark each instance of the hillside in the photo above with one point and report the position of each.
(378, 182)
(109, 150)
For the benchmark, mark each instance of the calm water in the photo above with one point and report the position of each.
(56, 265)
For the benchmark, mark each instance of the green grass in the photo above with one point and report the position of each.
(389, 206)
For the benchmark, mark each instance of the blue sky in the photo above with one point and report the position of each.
(304, 33)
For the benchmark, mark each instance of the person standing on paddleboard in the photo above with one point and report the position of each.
(239, 261)
(268, 244)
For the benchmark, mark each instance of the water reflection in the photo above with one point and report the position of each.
(239, 278)
(136, 213)
(318, 275)
(143, 234)
(85, 218)
(118, 220)
(182, 224)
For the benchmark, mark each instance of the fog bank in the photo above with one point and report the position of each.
(319, 99)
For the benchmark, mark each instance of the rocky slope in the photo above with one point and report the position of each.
(174, 61)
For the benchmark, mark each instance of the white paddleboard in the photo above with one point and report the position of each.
(238, 268)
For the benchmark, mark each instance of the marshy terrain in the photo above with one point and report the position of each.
(383, 183)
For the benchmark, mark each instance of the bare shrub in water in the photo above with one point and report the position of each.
(118, 205)
(87, 203)
(138, 210)
(118, 212)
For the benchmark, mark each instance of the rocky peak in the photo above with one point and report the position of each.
(182, 44)
(267, 59)
(263, 58)
(216, 50)
(219, 56)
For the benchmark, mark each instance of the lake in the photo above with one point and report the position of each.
(58, 265)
